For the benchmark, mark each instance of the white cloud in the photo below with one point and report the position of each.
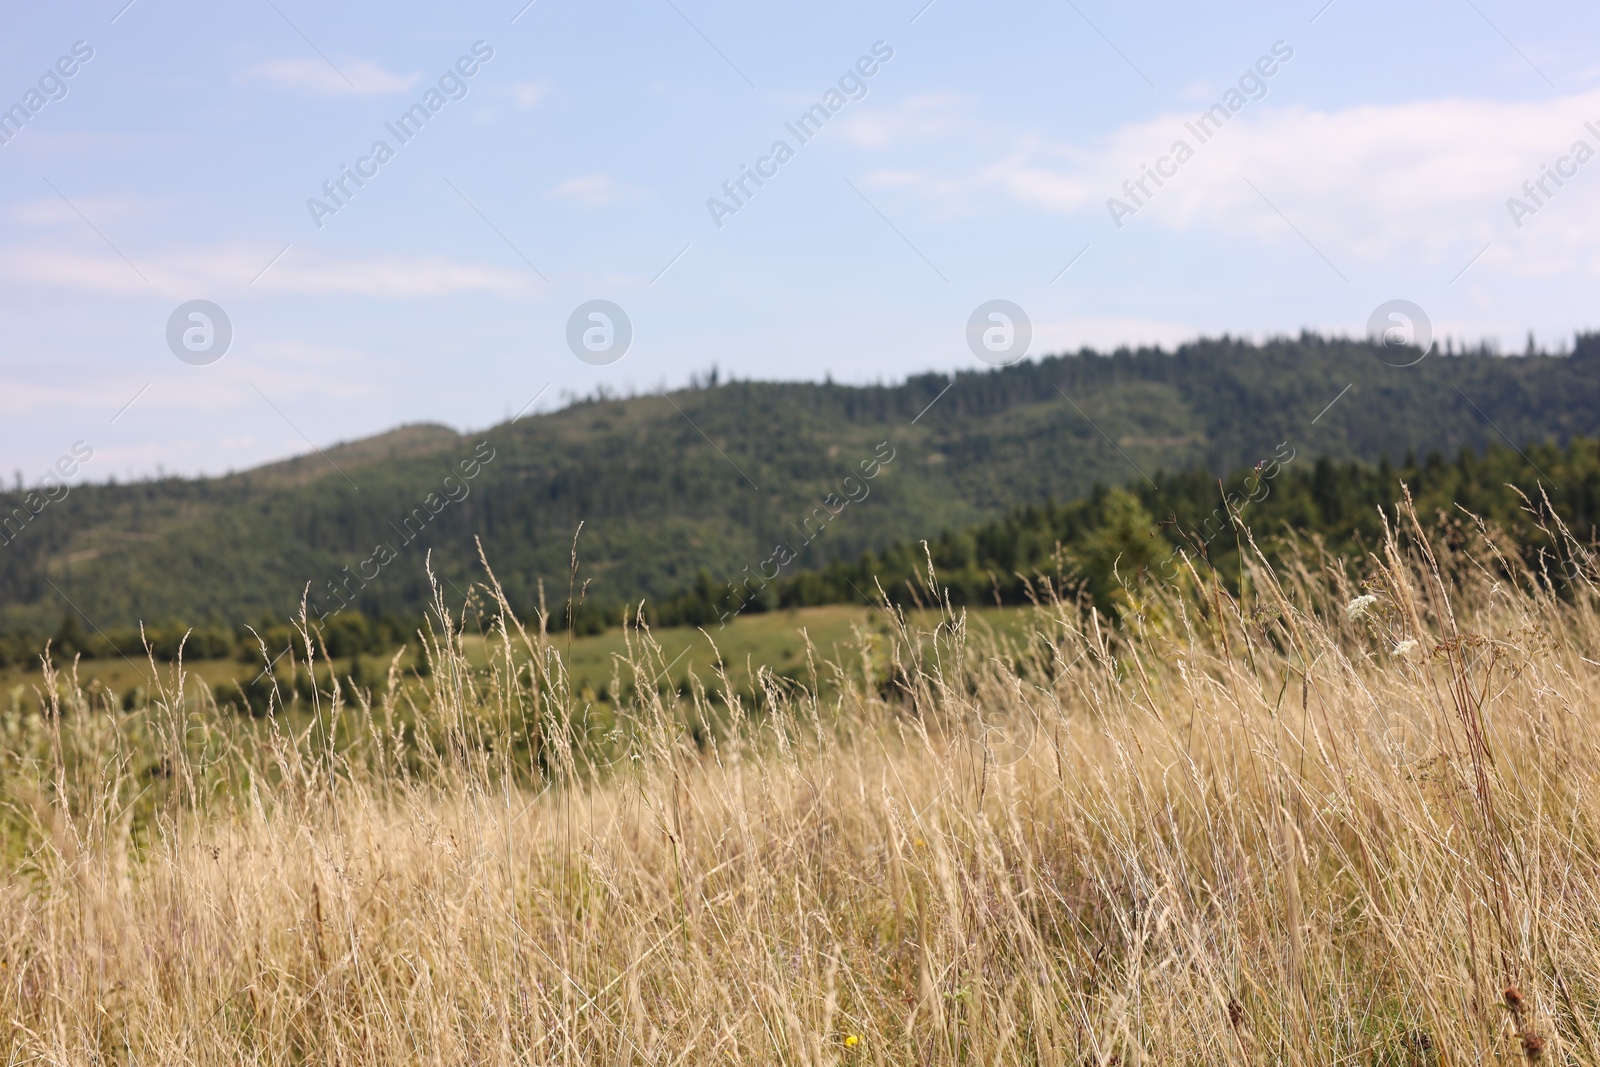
(20, 397)
(1199, 92)
(58, 144)
(1039, 185)
(894, 179)
(280, 369)
(1417, 180)
(53, 211)
(318, 78)
(527, 94)
(394, 277)
(1378, 181)
(231, 268)
(922, 117)
(597, 190)
(950, 197)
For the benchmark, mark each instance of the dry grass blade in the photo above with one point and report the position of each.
(1327, 818)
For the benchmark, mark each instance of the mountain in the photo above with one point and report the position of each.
(713, 478)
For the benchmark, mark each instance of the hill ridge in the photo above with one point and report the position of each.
(665, 485)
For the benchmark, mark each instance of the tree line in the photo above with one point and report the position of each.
(1115, 535)
(1098, 544)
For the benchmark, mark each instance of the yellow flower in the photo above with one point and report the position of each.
(852, 1041)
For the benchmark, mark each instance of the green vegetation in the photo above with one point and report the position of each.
(1113, 534)
(666, 490)
(344, 635)
(786, 643)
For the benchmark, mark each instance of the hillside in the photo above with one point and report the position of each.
(712, 478)
(1102, 544)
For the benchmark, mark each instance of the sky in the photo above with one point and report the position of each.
(164, 152)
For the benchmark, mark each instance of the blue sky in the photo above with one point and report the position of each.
(1376, 163)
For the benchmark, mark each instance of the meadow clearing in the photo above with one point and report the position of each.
(1344, 813)
(776, 640)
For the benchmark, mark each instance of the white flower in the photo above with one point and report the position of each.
(1358, 607)
(1404, 646)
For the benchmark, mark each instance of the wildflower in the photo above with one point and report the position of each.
(1513, 999)
(1404, 646)
(1532, 1046)
(852, 1041)
(1358, 607)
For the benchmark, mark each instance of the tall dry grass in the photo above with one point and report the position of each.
(1262, 828)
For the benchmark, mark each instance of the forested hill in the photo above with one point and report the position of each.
(713, 477)
(1105, 543)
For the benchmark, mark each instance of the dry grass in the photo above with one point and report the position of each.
(1235, 830)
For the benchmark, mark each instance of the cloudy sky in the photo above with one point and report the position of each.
(185, 158)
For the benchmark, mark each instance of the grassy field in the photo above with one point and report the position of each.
(776, 640)
(779, 640)
(1336, 818)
